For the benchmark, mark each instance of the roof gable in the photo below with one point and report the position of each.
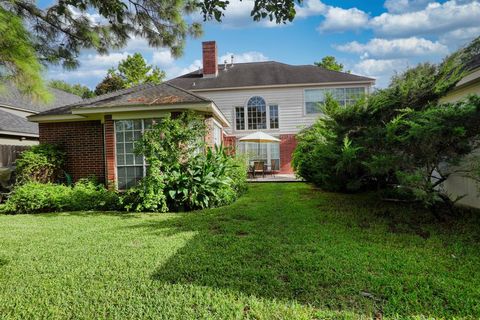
(145, 94)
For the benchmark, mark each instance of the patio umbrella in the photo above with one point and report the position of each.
(259, 137)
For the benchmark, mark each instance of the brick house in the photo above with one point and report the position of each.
(236, 100)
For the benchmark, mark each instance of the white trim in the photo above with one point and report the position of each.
(15, 133)
(83, 113)
(55, 118)
(18, 109)
(136, 108)
(140, 115)
(320, 84)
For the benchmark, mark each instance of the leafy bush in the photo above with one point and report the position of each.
(87, 194)
(35, 197)
(205, 181)
(179, 175)
(400, 138)
(41, 163)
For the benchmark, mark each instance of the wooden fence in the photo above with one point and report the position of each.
(8, 154)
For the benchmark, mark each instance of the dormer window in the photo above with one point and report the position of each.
(256, 115)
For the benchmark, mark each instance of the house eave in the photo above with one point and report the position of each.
(55, 118)
(18, 134)
(471, 78)
(309, 84)
(86, 113)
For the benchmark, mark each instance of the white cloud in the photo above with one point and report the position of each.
(459, 37)
(339, 19)
(162, 57)
(396, 48)
(310, 8)
(434, 19)
(380, 69)
(251, 56)
(106, 61)
(400, 6)
(238, 15)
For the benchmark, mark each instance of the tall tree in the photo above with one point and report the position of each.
(130, 72)
(330, 63)
(77, 89)
(59, 32)
(134, 70)
(112, 82)
(18, 59)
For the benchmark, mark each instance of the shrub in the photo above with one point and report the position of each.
(205, 181)
(41, 163)
(400, 138)
(35, 197)
(87, 194)
(237, 172)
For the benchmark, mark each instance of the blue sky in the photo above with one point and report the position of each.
(374, 38)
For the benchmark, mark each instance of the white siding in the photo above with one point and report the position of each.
(456, 185)
(290, 101)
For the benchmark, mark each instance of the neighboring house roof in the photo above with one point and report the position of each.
(268, 73)
(474, 62)
(15, 124)
(146, 94)
(10, 96)
(473, 72)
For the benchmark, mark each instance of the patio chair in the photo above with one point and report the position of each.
(259, 167)
(251, 172)
(272, 166)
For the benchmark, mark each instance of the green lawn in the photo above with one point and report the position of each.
(283, 251)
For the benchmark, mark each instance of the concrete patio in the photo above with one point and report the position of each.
(275, 178)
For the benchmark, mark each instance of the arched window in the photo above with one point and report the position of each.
(256, 113)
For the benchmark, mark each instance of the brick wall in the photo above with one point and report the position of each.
(287, 146)
(229, 142)
(83, 142)
(110, 161)
(209, 136)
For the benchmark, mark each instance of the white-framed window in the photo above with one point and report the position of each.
(268, 153)
(240, 118)
(314, 98)
(273, 112)
(217, 134)
(130, 167)
(256, 115)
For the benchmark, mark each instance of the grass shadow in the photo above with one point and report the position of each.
(338, 252)
(86, 214)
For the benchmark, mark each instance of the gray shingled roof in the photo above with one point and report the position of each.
(146, 94)
(10, 96)
(13, 123)
(263, 74)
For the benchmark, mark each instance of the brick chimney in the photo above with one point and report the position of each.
(210, 63)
